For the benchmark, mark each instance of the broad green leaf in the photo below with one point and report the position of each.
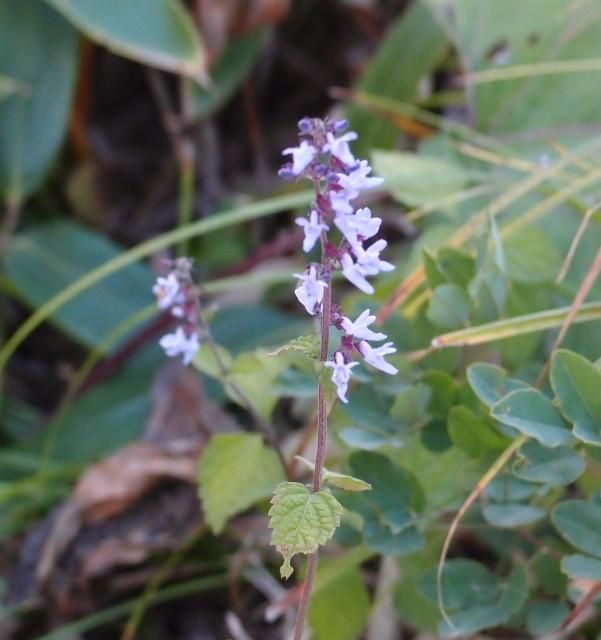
(306, 345)
(411, 48)
(520, 325)
(107, 416)
(448, 266)
(576, 383)
(545, 616)
(490, 383)
(531, 257)
(557, 466)
(416, 180)
(46, 258)
(301, 521)
(213, 361)
(472, 434)
(410, 405)
(533, 414)
(235, 471)
(507, 488)
(388, 509)
(228, 72)
(10, 86)
(159, 33)
(340, 609)
(449, 307)
(253, 373)
(373, 427)
(579, 522)
(473, 597)
(339, 480)
(465, 584)
(489, 38)
(511, 515)
(412, 605)
(546, 570)
(580, 567)
(33, 120)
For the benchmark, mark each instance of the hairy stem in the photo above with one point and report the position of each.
(322, 438)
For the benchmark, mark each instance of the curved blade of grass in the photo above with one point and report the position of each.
(584, 65)
(417, 277)
(517, 326)
(484, 481)
(111, 614)
(214, 223)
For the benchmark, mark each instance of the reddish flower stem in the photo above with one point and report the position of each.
(322, 439)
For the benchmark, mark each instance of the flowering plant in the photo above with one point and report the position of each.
(324, 157)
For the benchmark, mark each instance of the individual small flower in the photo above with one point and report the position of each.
(310, 292)
(355, 274)
(340, 201)
(359, 179)
(359, 328)
(341, 374)
(178, 343)
(375, 357)
(312, 228)
(358, 227)
(302, 156)
(369, 259)
(167, 291)
(339, 147)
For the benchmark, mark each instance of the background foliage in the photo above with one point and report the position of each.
(131, 130)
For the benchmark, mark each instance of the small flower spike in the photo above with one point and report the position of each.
(312, 228)
(302, 156)
(359, 328)
(167, 291)
(177, 292)
(341, 374)
(310, 292)
(178, 343)
(375, 357)
(324, 156)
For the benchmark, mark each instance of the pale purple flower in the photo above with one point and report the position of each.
(369, 259)
(339, 147)
(355, 274)
(375, 356)
(178, 343)
(340, 201)
(341, 374)
(360, 224)
(302, 156)
(310, 292)
(312, 228)
(359, 328)
(167, 291)
(359, 179)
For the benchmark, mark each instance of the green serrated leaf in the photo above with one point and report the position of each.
(235, 471)
(340, 480)
(307, 345)
(301, 521)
